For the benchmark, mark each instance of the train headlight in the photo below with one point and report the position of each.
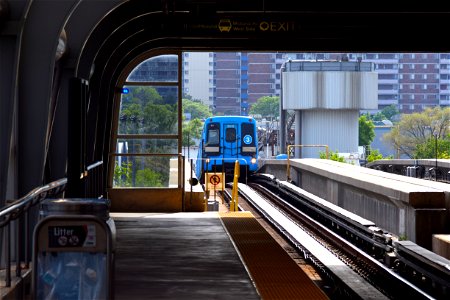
(253, 160)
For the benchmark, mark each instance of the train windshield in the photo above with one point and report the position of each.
(230, 134)
(213, 136)
(248, 132)
(248, 139)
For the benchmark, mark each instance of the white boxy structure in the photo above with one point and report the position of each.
(327, 97)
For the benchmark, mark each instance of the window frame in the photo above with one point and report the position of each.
(115, 136)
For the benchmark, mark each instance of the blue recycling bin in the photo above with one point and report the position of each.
(73, 250)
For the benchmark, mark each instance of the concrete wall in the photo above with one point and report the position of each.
(411, 210)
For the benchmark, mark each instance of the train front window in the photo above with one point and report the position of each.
(213, 137)
(248, 139)
(230, 134)
(248, 134)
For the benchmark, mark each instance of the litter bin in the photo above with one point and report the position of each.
(73, 250)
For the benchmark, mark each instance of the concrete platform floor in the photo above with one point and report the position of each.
(177, 256)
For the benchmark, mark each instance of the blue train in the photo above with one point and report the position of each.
(224, 140)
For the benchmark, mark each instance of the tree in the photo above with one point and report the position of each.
(428, 149)
(160, 118)
(415, 129)
(197, 109)
(139, 108)
(267, 107)
(191, 131)
(390, 111)
(379, 116)
(147, 177)
(366, 131)
(387, 113)
(122, 174)
(145, 111)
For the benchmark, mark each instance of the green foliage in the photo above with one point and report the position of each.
(191, 131)
(387, 113)
(197, 109)
(160, 118)
(415, 129)
(332, 156)
(366, 131)
(267, 107)
(374, 155)
(147, 177)
(402, 237)
(390, 111)
(122, 174)
(428, 149)
(145, 111)
(379, 116)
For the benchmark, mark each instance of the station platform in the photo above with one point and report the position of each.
(205, 255)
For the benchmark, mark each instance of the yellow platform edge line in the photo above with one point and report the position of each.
(275, 274)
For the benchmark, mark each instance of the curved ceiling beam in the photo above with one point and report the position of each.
(107, 26)
(278, 31)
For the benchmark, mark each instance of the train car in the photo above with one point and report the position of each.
(224, 140)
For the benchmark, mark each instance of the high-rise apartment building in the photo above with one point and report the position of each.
(198, 76)
(227, 78)
(411, 81)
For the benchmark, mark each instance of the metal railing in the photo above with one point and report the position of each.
(19, 210)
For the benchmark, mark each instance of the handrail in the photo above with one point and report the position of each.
(21, 203)
(18, 209)
(94, 165)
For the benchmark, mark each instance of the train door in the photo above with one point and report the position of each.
(231, 146)
(231, 142)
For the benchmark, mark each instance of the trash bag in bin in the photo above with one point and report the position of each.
(72, 276)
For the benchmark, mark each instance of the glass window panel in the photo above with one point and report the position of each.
(212, 134)
(248, 130)
(163, 68)
(145, 171)
(230, 134)
(213, 137)
(142, 146)
(149, 110)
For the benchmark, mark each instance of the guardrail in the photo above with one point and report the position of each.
(19, 210)
(428, 169)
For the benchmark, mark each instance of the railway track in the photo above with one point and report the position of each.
(324, 282)
(370, 277)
